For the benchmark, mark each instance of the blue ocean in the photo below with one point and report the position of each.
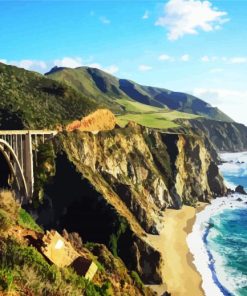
(219, 238)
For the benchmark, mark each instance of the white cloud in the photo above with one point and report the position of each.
(145, 15)
(185, 58)
(112, 69)
(144, 68)
(104, 20)
(165, 57)
(183, 17)
(95, 65)
(205, 59)
(68, 62)
(238, 60)
(228, 60)
(27, 64)
(216, 70)
(232, 102)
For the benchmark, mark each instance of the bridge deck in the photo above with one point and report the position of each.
(25, 132)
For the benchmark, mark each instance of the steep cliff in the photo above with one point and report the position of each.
(118, 184)
(225, 136)
(141, 172)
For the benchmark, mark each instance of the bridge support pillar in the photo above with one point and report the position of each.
(28, 156)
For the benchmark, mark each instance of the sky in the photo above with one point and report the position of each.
(192, 46)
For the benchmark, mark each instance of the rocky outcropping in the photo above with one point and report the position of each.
(225, 136)
(240, 189)
(134, 173)
(141, 172)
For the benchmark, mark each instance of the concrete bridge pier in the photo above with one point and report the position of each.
(17, 147)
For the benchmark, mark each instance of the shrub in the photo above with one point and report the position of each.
(25, 220)
(135, 276)
(9, 204)
(6, 279)
(28, 269)
(5, 221)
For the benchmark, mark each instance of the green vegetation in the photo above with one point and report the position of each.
(25, 220)
(45, 169)
(24, 269)
(121, 226)
(5, 221)
(119, 94)
(9, 209)
(93, 83)
(160, 120)
(135, 276)
(30, 100)
(136, 107)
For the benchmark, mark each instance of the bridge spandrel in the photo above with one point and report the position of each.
(18, 147)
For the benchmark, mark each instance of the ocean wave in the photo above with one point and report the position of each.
(216, 280)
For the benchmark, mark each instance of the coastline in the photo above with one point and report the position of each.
(179, 272)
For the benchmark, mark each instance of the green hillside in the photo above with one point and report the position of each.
(150, 116)
(31, 100)
(108, 90)
(93, 83)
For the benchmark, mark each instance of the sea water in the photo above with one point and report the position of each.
(218, 240)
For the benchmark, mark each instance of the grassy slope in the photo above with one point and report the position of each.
(25, 271)
(93, 83)
(108, 90)
(150, 116)
(30, 100)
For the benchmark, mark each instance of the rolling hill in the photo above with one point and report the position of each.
(108, 90)
(31, 100)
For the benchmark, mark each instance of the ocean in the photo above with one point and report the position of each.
(218, 240)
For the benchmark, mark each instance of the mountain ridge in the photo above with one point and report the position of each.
(98, 83)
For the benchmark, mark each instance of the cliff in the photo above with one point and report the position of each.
(225, 136)
(118, 183)
(146, 171)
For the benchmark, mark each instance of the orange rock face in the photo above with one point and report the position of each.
(100, 120)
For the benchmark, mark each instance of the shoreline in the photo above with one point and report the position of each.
(179, 272)
(209, 265)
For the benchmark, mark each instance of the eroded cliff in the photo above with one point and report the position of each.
(118, 184)
(225, 136)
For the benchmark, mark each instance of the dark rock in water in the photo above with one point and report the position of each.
(239, 199)
(229, 192)
(240, 189)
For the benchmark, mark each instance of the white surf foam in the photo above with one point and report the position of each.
(198, 248)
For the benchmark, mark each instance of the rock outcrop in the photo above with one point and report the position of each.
(240, 189)
(140, 172)
(134, 173)
(225, 136)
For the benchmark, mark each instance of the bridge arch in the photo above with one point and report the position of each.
(14, 166)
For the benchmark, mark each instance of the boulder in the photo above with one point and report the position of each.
(240, 189)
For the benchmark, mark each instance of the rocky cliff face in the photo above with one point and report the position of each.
(132, 173)
(141, 172)
(225, 136)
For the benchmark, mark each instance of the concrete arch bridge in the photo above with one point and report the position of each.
(19, 148)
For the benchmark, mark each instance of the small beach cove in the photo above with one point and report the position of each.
(178, 270)
(192, 241)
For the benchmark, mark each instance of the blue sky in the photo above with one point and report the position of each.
(185, 45)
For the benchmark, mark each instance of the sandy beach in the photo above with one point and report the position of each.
(178, 270)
